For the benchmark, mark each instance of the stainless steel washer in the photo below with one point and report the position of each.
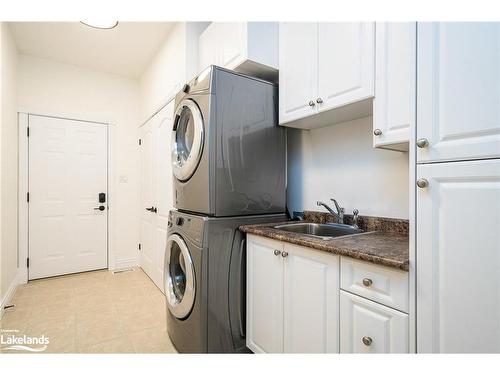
(205, 280)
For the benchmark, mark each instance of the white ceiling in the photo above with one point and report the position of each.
(125, 50)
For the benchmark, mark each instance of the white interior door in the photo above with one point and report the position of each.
(156, 191)
(146, 207)
(164, 186)
(67, 172)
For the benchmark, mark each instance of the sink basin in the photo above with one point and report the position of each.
(320, 230)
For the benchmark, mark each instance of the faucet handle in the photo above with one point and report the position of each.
(337, 206)
(355, 214)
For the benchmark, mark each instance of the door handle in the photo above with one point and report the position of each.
(152, 209)
(100, 208)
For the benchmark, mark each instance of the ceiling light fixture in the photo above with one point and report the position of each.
(102, 25)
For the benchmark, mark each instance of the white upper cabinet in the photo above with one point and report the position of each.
(458, 91)
(311, 302)
(395, 82)
(326, 73)
(298, 70)
(345, 63)
(458, 252)
(246, 47)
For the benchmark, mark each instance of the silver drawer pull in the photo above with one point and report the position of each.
(367, 282)
(367, 340)
(284, 254)
(277, 252)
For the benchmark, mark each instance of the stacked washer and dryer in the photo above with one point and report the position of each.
(229, 166)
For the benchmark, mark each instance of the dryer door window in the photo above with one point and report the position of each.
(180, 285)
(187, 139)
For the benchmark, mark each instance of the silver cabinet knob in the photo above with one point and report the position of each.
(319, 100)
(367, 282)
(377, 132)
(367, 340)
(422, 143)
(277, 252)
(422, 183)
(311, 103)
(284, 254)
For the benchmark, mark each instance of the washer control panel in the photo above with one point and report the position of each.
(189, 225)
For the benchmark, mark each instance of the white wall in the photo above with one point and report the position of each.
(8, 158)
(48, 87)
(163, 76)
(339, 162)
(174, 64)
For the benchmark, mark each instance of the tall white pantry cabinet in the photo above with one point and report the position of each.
(458, 187)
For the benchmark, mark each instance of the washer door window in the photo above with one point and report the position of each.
(187, 139)
(180, 285)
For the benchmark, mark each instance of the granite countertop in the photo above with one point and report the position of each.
(385, 241)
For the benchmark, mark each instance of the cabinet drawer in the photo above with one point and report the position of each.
(368, 327)
(377, 283)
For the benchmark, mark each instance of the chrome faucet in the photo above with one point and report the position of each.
(339, 215)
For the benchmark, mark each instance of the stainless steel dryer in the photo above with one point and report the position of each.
(205, 281)
(228, 152)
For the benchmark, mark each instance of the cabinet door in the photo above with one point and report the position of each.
(311, 287)
(458, 100)
(394, 83)
(458, 252)
(346, 63)
(207, 48)
(231, 43)
(368, 327)
(298, 70)
(264, 295)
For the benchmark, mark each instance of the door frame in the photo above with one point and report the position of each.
(23, 206)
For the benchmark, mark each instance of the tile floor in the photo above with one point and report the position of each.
(92, 312)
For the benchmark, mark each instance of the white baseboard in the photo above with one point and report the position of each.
(10, 293)
(125, 263)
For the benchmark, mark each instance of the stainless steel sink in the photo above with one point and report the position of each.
(320, 230)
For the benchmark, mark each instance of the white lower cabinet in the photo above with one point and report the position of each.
(311, 306)
(369, 327)
(295, 305)
(292, 298)
(264, 295)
